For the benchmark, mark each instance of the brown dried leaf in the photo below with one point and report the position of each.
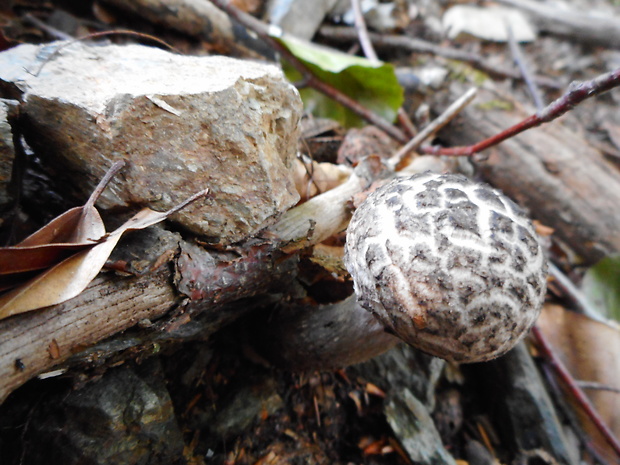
(74, 230)
(590, 351)
(71, 276)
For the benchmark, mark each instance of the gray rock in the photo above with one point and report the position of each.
(126, 418)
(245, 408)
(182, 123)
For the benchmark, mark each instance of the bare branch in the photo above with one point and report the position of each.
(577, 93)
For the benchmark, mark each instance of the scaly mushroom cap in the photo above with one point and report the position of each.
(451, 266)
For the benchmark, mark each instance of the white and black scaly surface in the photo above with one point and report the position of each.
(451, 266)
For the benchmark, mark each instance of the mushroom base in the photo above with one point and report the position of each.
(301, 338)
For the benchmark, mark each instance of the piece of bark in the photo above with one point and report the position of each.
(7, 152)
(182, 124)
(201, 19)
(521, 403)
(414, 428)
(601, 29)
(551, 170)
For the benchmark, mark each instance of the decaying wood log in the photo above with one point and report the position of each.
(34, 342)
(201, 281)
(552, 171)
(199, 19)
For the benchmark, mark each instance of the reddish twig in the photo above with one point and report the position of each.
(574, 389)
(577, 93)
(309, 79)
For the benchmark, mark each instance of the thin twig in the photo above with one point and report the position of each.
(52, 31)
(577, 93)
(258, 27)
(517, 57)
(371, 54)
(576, 297)
(400, 158)
(362, 31)
(411, 44)
(574, 389)
(597, 386)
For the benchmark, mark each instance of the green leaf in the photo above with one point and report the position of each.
(601, 285)
(372, 84)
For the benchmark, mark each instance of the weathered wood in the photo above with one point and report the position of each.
(552, 171)
(200, 19)
(587, 27)
(35, 342)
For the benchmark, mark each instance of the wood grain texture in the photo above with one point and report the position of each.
(36, 342)
(552, 171)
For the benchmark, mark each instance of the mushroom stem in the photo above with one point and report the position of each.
(306, 337)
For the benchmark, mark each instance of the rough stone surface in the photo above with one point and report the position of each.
(451, 266)
(182, 123)
(126, 417)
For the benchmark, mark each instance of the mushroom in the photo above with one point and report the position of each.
(450, 266)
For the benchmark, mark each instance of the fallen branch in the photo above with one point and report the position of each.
(198, 19)
(194, 282)
(577, 93)
(395, 42)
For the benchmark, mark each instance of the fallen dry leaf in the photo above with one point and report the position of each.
(312, 178)
(71, 276)
(74, 230)
(589, 349)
